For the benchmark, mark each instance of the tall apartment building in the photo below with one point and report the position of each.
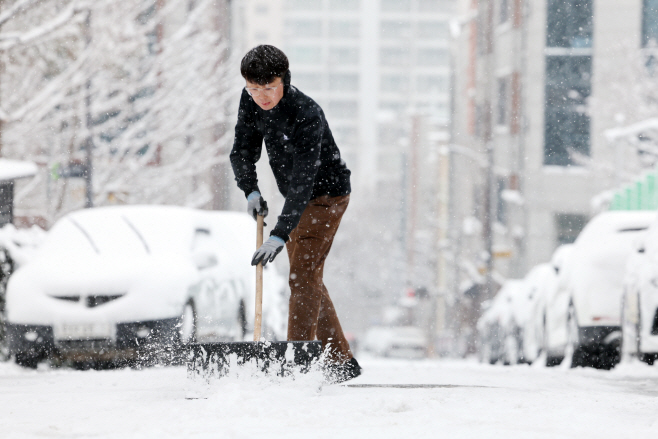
(537, 83)
(370, 63)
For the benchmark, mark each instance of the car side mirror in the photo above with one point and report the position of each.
(204, 260)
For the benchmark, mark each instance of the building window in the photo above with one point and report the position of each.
(435, 5)
(305, 54)
(303, 5)
(431, 84)
(343, 82)
(569, 23)
(503, 102)
(394, 84)
(304, 28)
(438, 109)
(345, 134)
(567, 123)
(343, 109)
(344, 5)
(568, 81)
(307, 81)
(392, 56)
(433, 30)
(568, 226)
(395, 29)
(344, 55)
(432, 57)
(504, 11)
(392, 106)
(344, 29)
(396, 5)
(650, 23)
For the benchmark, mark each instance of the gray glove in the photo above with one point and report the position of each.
(256, 205)
(268, 251)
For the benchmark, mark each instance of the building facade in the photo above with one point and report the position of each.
(537, 83)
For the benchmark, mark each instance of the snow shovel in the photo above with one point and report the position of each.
(271, 357)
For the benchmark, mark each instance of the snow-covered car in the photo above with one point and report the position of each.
(515, 320)
(116, 282)
(594, 283)
(395, 341)
(555, 308)
(494, 326)
(639, 309)
(540, 283)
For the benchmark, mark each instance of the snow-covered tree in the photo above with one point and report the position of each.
(145, 82)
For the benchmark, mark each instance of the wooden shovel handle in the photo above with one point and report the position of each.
(258, 318)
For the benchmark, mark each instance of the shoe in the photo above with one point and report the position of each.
(339, 373)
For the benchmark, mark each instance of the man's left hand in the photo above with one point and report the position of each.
(268, 251)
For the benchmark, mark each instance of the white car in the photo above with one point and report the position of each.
(497, 338)
(540, 283)
(117, 282)
(639, 311)
(594, 283)
(396, 341)
(555, 308)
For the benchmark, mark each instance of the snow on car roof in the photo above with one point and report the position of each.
(601, 251)
(141, 229)
(616, 221)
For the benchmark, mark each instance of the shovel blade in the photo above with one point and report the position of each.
(215, 359)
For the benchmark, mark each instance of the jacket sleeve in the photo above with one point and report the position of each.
(306, 143)
(247, 147)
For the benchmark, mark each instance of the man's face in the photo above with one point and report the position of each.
(268, 95)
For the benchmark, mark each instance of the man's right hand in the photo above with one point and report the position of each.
(256, 205)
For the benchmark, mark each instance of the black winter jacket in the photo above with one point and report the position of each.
(303, 154)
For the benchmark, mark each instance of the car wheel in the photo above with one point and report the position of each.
(27, 360)
(574, 355)
(648, 358)
(550, 360)
(187, 330)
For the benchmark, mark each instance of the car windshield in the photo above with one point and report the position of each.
(118, 233)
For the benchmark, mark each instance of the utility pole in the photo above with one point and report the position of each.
(89, 141)
(413, 198)
(488, 142)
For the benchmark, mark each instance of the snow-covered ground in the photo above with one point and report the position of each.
(478, 401)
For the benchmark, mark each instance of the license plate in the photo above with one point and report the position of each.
(83, 331)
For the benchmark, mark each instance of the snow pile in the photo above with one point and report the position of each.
(469, 400)
(250, 377)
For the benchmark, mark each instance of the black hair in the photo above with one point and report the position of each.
(264, 63)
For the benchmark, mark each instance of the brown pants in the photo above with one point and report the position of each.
(312, 314)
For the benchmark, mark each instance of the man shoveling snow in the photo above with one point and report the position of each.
(315, 182)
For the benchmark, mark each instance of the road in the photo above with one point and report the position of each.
(466, 399)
